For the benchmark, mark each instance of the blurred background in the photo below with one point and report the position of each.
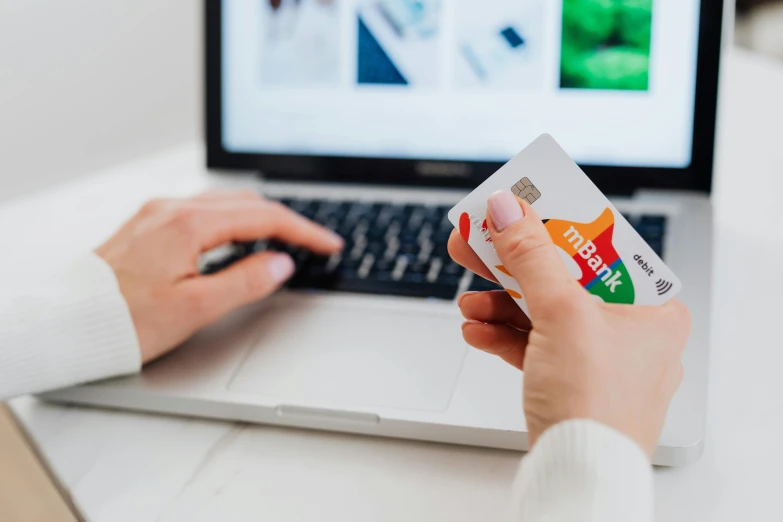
(86, 84)
(760, 26)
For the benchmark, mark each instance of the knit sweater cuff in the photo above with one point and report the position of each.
(71, 328)
(584, 471)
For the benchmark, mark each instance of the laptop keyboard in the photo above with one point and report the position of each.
(390, 249)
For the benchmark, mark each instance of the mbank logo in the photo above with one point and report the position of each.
(590, 245)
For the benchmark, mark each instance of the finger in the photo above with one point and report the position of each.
(250, 220)
(524, 246)
(220, 195)
(463, 255)
(672, 317)
(244, 282)
(505, 342)
(682, 320)
(495, 306)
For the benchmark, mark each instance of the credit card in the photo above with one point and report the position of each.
(597, 244)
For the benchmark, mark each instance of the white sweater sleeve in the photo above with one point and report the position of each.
(584, 471)
(70, 328)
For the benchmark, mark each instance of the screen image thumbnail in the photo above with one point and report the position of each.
(499, 43)
(606, 44)
(300, 43)
(398, 42)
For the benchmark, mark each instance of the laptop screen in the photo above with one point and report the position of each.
(612, 80)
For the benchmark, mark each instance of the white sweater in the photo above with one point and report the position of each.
(76, 327)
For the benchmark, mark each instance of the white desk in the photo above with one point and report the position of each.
(136, 467)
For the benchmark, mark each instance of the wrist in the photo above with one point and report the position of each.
(537, 428)
(589, 464)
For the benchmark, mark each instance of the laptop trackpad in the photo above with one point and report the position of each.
(348, 356)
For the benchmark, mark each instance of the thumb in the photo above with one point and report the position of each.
(523, 244)
(244, 282)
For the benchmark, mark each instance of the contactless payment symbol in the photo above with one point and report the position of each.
(590, 245)
(663, 286)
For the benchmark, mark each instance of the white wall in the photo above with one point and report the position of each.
(88, 83)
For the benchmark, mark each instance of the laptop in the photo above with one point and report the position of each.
(374, 118)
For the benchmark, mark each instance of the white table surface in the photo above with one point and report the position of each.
(137, 467)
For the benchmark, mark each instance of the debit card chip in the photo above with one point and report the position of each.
(524, 189)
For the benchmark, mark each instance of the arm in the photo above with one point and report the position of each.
(70, 328)
(584, 471)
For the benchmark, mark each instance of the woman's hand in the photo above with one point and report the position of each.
(616, 364)
(155, 258)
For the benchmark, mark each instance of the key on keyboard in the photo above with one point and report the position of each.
(479, 284)
(652, 228)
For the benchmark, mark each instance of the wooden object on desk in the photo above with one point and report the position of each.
(28, 490)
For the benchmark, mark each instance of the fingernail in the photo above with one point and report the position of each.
(337, 239)
(469, 322)
(463, 296)
(280, 268)
(504, 209)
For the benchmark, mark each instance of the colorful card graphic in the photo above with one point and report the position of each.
(590, 245)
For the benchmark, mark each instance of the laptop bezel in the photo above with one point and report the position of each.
(468, 174)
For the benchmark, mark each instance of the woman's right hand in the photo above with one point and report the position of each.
(583, 359)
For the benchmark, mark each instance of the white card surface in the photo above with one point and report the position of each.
(597, 244)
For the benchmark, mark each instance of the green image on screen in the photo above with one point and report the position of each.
(606, 44)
